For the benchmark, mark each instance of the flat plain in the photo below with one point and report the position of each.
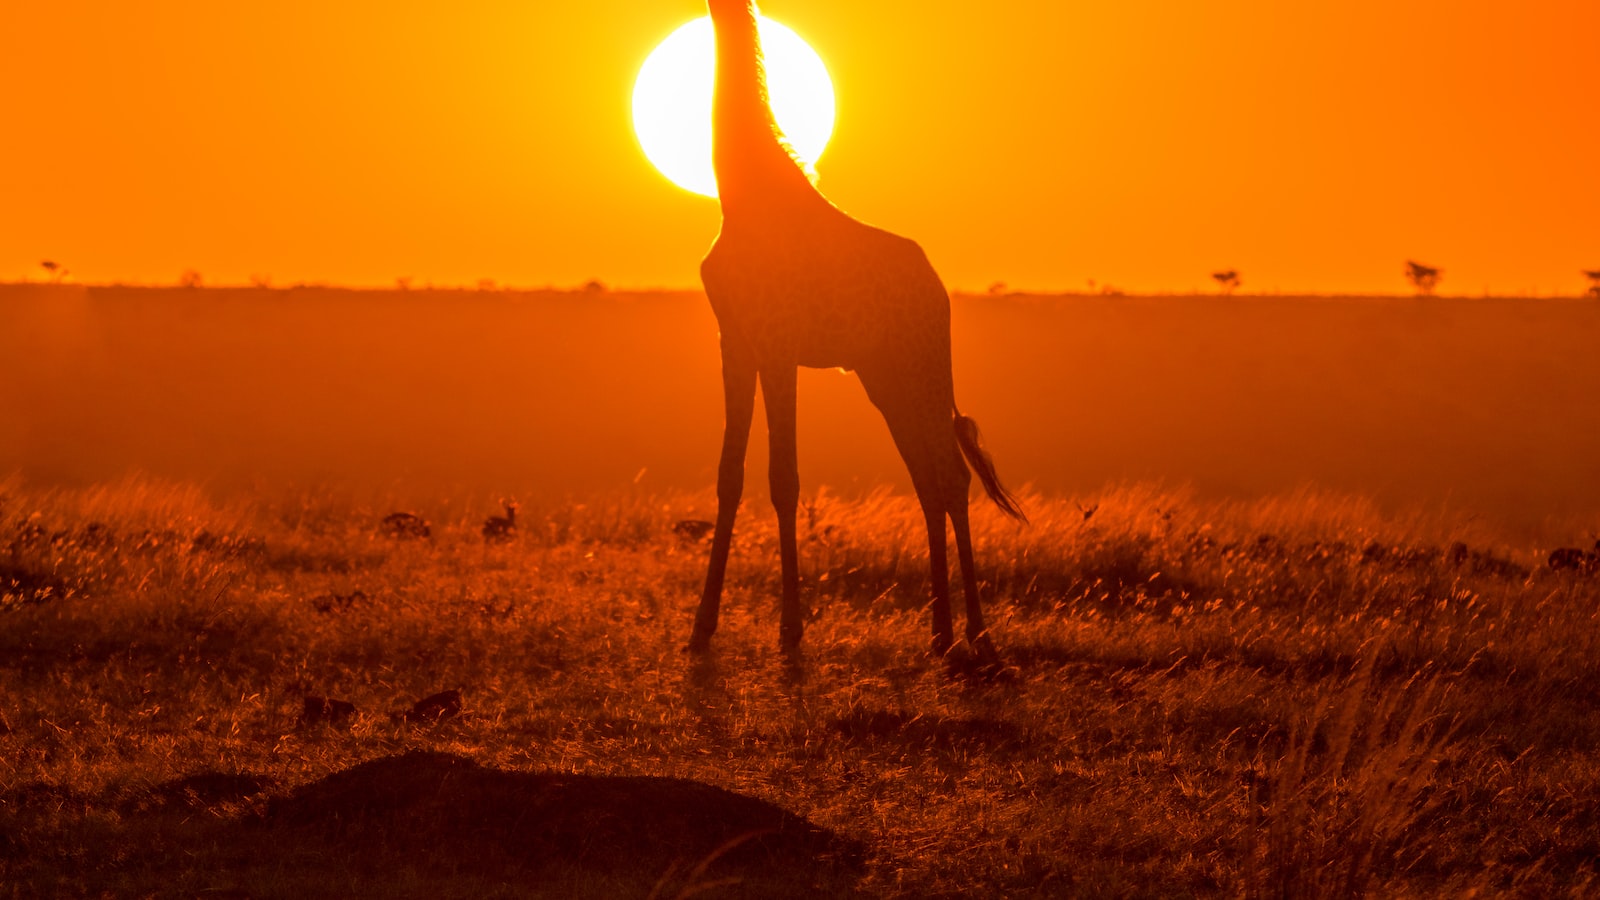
(1487, 406)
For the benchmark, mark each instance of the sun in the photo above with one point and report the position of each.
(672, 100)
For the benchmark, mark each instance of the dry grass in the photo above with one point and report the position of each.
(1297, 697)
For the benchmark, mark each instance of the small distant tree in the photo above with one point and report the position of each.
(485, 284)
(1423, 278)
(1228, 281)
(403, 283)
(1594, 282)
(261, 282)
(54, 270)
(189, 279)
(998, 289)
(594, 286)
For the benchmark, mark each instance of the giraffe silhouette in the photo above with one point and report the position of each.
(794, 281)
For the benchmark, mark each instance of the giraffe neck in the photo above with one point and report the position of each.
(756, 170)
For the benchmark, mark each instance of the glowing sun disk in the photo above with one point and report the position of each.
(672, 100)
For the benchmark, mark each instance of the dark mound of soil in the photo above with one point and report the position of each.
(624, 836)
(204, 790)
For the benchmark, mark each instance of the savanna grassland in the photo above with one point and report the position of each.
(1304, 696)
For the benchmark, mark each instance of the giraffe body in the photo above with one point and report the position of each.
(794, 281)
(831, 295)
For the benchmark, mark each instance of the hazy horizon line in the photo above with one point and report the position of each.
(596, 286)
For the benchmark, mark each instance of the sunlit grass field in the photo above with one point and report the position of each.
(1300, 696)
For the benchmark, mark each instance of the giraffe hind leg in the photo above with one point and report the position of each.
(977, 632)
(956, 481)
(922, 433)
(939, 578)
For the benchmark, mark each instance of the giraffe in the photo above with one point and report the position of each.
(794, 281)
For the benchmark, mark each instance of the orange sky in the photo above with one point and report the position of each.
(1312, 145)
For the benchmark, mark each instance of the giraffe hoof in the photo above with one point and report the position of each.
(987, 662)
(984, 651)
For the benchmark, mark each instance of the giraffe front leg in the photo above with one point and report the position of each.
(739, 396)
(783, 475)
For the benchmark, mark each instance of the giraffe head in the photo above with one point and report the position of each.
(730, 7)
(736, 19)
(735, 23)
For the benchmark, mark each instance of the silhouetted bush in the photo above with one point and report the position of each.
(1423, 278)
(1228, 281)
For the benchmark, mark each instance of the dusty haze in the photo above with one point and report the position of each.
(1490, 406)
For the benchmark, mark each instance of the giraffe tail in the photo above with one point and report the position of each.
(983, 465)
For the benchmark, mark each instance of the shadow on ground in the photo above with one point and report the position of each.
(440, 815)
